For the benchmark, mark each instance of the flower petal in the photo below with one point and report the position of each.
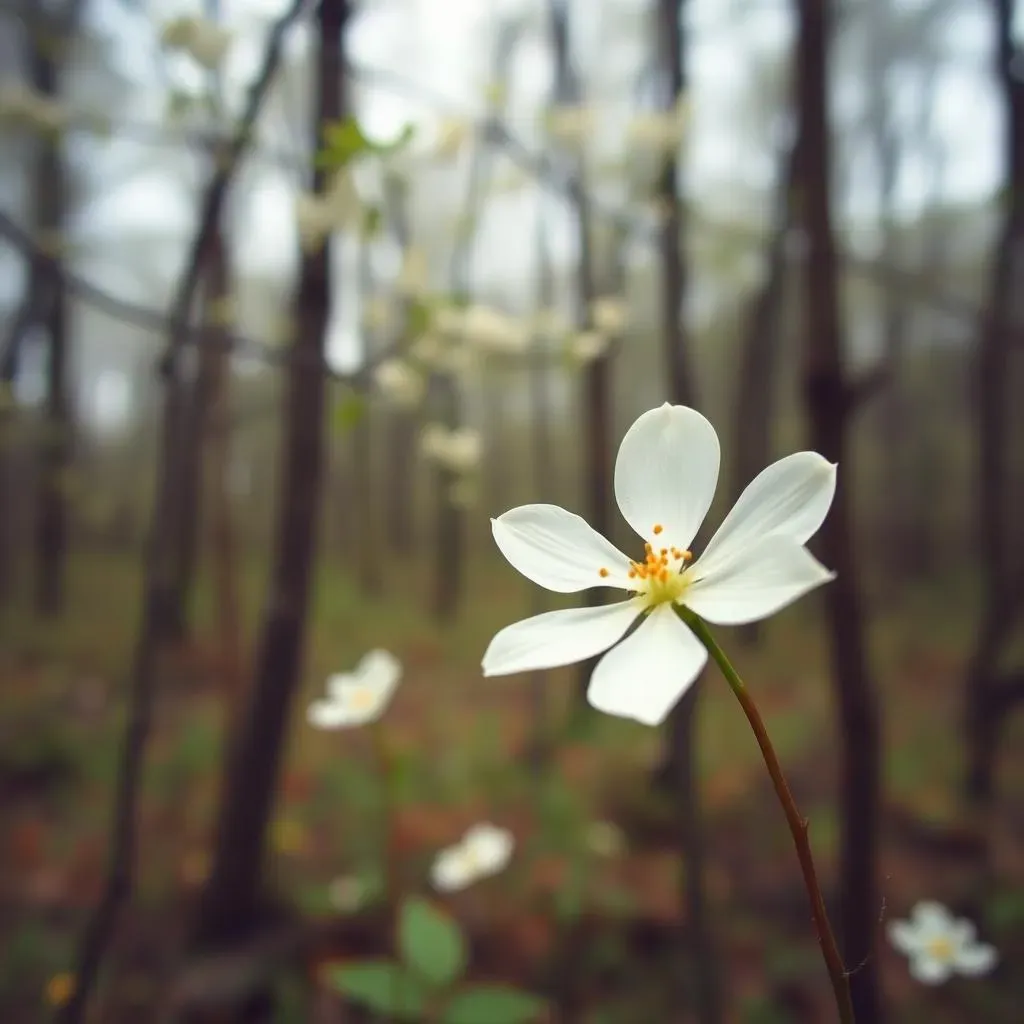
(450, 870)
(788, 499)
(769, 576)
(904, 937)
(380, 668)
(931, 918)
(666, 472)
(928, 970)
(644, 676)
(490, 848)
(333, 714)
(558, 550)
(977, 958)
(558, 638)
(339, 683)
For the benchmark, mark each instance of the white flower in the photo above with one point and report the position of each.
(483, 851)
(358, 697)
(940, 945)
(586, 346)
(203, 40)
(400, 383)
(452, 133)
(665, 477)
(572, 125)
(609, 315)
(457, 450)
(317, 216)
(492, 331)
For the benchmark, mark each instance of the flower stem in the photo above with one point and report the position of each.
(797, 823)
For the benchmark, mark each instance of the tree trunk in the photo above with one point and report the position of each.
(217, 450)
(596, 398)
(51, 514)
(230, 903)
(828, 397)
(1001, 330)
(759, 357)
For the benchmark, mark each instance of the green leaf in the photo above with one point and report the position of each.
(431, 942)
(493, 1004)
(348, 411)
(419, 316)
(384, 987)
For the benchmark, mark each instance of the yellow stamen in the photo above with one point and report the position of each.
(603, 572)
(658, 528)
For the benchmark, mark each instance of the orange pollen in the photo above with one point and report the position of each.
(604, 572)
(664, 551)
(687, 555)
(658, 528)
(632, 574)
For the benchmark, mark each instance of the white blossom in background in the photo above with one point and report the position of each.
(586, 346)
(572, 126)
(337, 208)
(21, 105)
(659, 132)
(609, 315)
(452, 134)
(484, 850)
(665, 478)
(940, 945)
(358, 697)
(205, 41)
(490, 330)
(458, 450)
(400, 384)
(605, 839)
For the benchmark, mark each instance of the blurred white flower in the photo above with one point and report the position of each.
(337, 208)
(609, 315)
(940, 945)
(586, 346)
(358, 697)
(572, 125)
(203, 40)
(458, 450)
(493, 331)
(659, 132)
(399, 383)
(605, 839)
(452, 133)
(665, 477)
(346, 893)
(483, 851)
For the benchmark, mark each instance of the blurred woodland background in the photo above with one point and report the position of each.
(294, 296)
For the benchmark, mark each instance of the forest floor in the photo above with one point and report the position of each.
(605, 926)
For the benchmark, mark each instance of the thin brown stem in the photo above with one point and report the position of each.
(797, 822)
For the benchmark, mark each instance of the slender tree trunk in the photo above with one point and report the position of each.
(401, 426)
(596, 403)
(829, 402)
(988, 695)
(217, 451)
(759, 356)
(366, 535)
(231, 901)
(51, 514)
(10, 357)
(444, 388)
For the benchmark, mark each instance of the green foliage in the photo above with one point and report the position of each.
(1005, 910)
(384, 987)
(431, 943)
(495, 1004)
(345, 140)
